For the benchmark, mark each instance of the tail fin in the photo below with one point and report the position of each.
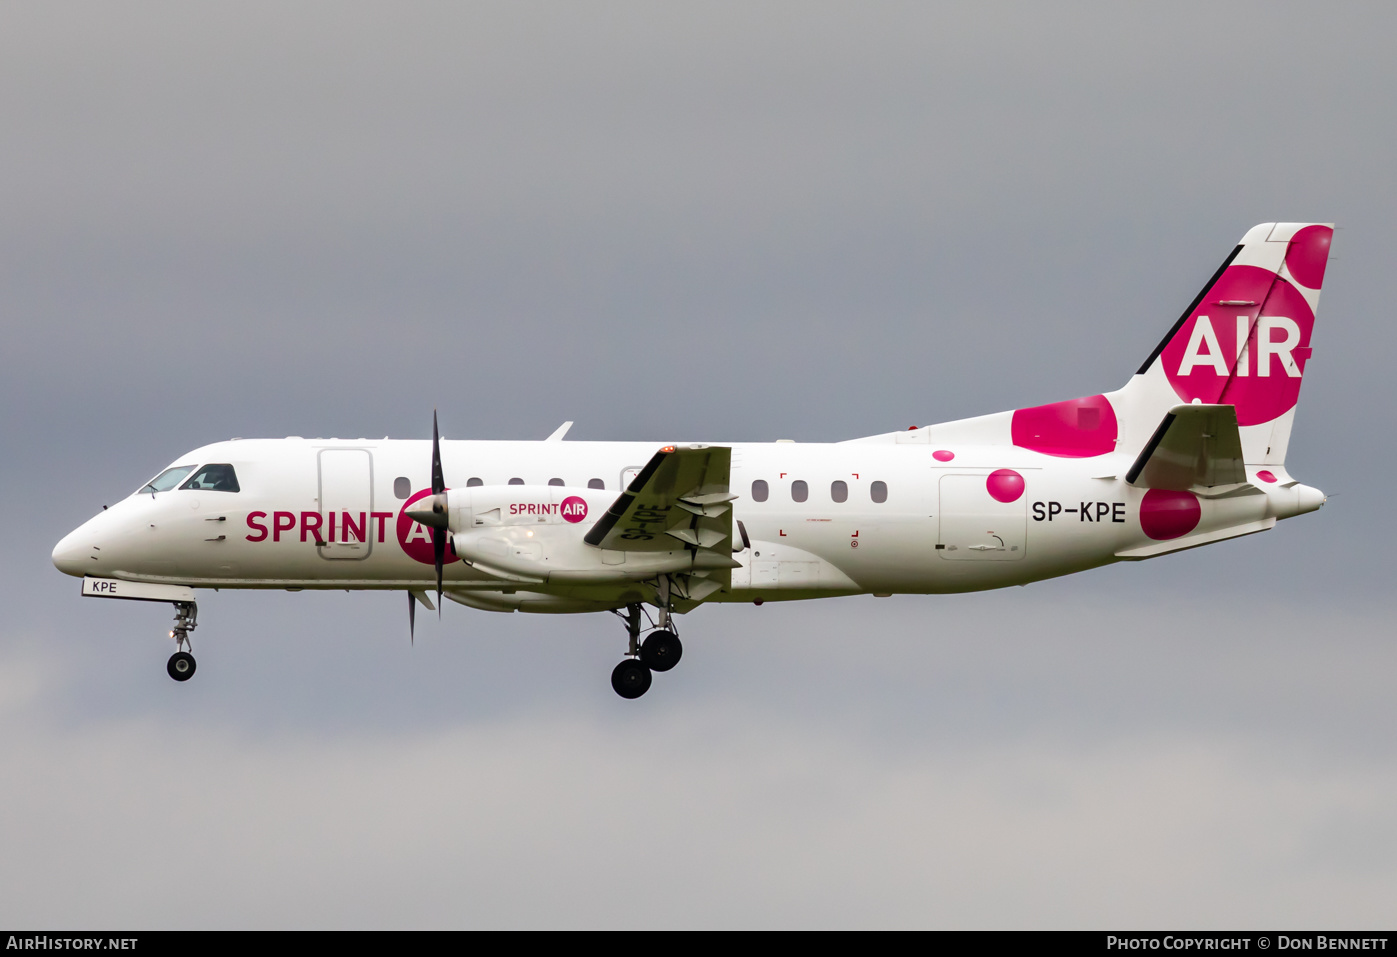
(1244, 341)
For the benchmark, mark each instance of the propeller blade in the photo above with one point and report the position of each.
(438, 520)
(439, 553)
(411, 618)
(438, 482)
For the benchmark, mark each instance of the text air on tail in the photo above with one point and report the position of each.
(1244, 341)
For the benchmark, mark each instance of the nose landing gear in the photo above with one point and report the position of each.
(181, 664)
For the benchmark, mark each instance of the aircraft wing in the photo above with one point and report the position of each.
(1195, 445)
(680, 498)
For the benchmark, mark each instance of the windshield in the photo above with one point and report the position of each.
(214, 478)
(167, 479)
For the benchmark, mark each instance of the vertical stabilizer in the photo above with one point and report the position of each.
(1244, 341)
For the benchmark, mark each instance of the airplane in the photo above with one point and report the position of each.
(1190, 451)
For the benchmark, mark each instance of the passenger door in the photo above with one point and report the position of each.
(975, 526)
(346, 501)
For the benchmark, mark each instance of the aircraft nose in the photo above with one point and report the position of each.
(73, 553)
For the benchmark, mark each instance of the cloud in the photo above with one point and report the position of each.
(1096, 769)
(552, 822)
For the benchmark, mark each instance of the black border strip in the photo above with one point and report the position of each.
(1189, 311)
(180, 942)
(1150, 446)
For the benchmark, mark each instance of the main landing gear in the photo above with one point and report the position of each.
(660, 651)
(181, 664)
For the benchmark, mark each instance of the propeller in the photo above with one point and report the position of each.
(433, 514)
(438, 508)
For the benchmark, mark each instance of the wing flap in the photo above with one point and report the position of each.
(682, 493)
(680, 496)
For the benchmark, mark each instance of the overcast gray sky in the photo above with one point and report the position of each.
(746, 221)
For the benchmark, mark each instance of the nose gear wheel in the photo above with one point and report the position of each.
(181, 666)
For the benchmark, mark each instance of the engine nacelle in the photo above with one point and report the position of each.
(533, 533)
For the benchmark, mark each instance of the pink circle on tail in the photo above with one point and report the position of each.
(1309, 254)
(942, 455)
(1165, 514)
(1261, 398)
(1266, 476)
(574, 509)
(1004, 485)
(1202, 360)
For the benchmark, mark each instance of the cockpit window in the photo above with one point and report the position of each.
(168, 479)
(214, 478)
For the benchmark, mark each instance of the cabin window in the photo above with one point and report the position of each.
(168, 479)
(595, 483)
(799, 490)
(516, 481)
(402, 487)
(879, 492)
(760, 490)
(214, 478)
(556, 481)
(474, 482)
(839, 491)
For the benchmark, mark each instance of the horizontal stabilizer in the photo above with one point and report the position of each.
(1194, 446)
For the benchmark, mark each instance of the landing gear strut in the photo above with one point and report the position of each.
(181, 664)
(631, 678)
(660, 651)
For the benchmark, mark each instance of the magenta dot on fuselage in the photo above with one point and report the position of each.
(941, 455)
(1266, 476)
(1308, 254)
(1005, 485)
(1165, 514)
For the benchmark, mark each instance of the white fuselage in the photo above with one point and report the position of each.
(934, 531)
(1190, 451)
